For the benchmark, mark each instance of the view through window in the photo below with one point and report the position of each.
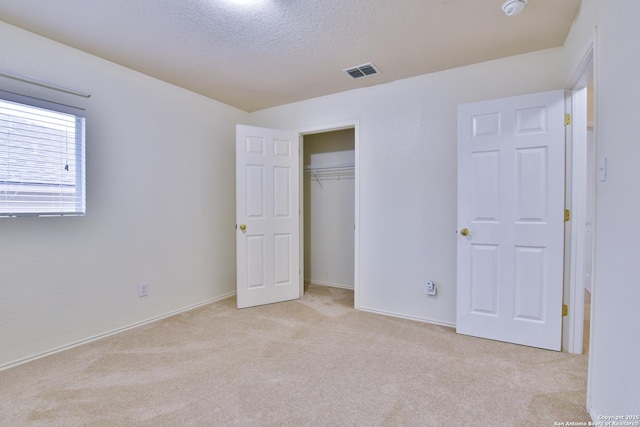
(42, 163)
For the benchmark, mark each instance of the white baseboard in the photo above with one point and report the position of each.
(331, 285)
(112, 332)
(402, 316)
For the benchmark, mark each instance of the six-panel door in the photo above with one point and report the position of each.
(267, 234)
(511, 198)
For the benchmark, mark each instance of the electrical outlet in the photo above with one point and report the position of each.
(430, 288)
(143, 289)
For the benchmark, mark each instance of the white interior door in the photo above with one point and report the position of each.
(510, 219)
(267, 216)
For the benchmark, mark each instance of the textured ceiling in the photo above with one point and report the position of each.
(274, 52)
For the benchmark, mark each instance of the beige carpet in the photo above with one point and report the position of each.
(312, 362)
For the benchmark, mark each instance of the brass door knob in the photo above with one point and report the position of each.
(243, 227)
(464, 231)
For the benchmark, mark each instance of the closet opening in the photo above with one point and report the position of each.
(329, 214)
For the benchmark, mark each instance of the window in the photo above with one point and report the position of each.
(42, 163)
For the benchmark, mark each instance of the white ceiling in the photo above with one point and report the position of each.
(280, 51)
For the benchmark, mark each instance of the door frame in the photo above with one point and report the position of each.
(349, 124)
(576, 201)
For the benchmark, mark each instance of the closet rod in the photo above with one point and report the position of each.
(38, 82)
(330, 166)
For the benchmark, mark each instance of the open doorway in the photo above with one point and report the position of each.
(329, 208)
(590, 214)
(581, 201)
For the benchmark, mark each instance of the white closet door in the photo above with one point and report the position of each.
(267, 215)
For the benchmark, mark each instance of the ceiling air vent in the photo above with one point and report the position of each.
(362, 70)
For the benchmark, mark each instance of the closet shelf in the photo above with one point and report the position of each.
(334, 171)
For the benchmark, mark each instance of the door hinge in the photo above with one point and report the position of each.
(567, 215)
(565, 309)
(567, 119)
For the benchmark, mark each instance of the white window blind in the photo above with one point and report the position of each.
(42, 161)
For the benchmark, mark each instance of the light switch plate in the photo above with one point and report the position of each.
(602, 170)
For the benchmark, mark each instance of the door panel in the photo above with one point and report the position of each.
(511, 198)
(528, 283)
(267, 235)
(485, 264)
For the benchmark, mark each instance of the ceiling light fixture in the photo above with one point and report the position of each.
(513, 7)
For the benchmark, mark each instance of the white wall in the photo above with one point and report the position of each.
(614, 371)
(329, 209)
(408, 172)
(160, 173)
